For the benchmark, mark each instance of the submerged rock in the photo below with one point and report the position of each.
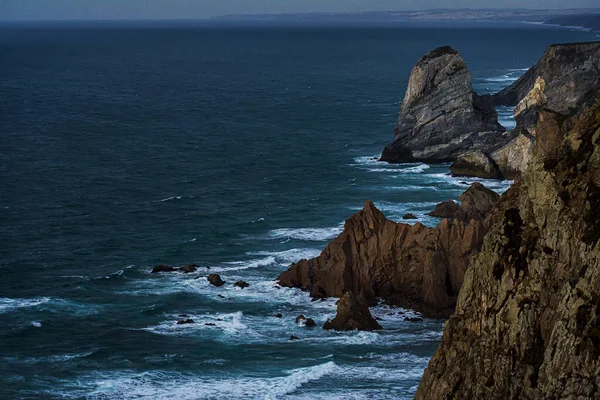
(409, 216)
(352, 314)
(293, 337)
(441, 117)
(162, 268)
(278, 315)
(300, 318)
(215, 279)
(185, 321)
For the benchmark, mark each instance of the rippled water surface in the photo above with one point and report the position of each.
(238, 149)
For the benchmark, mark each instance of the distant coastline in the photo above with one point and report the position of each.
(573, 17)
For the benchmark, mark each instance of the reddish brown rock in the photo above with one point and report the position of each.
(411, 266)
(352, 314)
(446, 209)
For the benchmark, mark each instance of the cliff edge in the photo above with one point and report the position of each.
(527, 320)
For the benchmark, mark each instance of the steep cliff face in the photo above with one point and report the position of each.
(563, 81)
(441, 116)
(571, 73)
(527, 321)
(411, 266)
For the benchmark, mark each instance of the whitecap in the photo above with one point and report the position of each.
(242, 265)
(289, 256)
(168, 199)
(45, 359)
(36, 324)
(307, 234)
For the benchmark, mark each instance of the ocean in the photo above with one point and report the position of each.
(239, 148)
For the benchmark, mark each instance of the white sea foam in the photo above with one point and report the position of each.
(369, 163)
(307, 234)
(45, 359)
(161, 385)
(503, 78)
(171, 385)
(36, 324)
(286, 257)
(9, 304)
(242, 265)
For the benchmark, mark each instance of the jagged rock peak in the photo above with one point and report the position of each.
(407, 265)
(441, 116)
(352, 313)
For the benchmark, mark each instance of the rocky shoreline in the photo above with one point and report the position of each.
(443, 120)
(519, 274)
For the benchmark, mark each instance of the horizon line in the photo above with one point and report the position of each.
(315, 13)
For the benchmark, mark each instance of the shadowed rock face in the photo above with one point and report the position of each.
(527, 321)
(441, 117)
(352, 313)
(571, 75)
(411, 266)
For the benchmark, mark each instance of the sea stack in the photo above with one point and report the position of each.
(441, 117)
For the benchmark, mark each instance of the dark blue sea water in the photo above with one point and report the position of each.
(242, 149)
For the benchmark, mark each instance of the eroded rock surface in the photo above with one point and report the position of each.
(407, 265)
(527, 322)
(441, 117)
(352, 313)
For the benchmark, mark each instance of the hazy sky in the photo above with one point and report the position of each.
(138, 9)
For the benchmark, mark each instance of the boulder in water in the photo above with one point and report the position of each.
(162, 268)
(186, 269)
(215, 279)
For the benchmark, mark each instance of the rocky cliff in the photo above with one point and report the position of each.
(411, 266)
(527, 321)
(441, 117)
(562, 82)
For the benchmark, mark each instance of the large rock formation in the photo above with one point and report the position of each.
(441, 117)
(562, 82)
(411, 266)
(571, 78)
(527, 322)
